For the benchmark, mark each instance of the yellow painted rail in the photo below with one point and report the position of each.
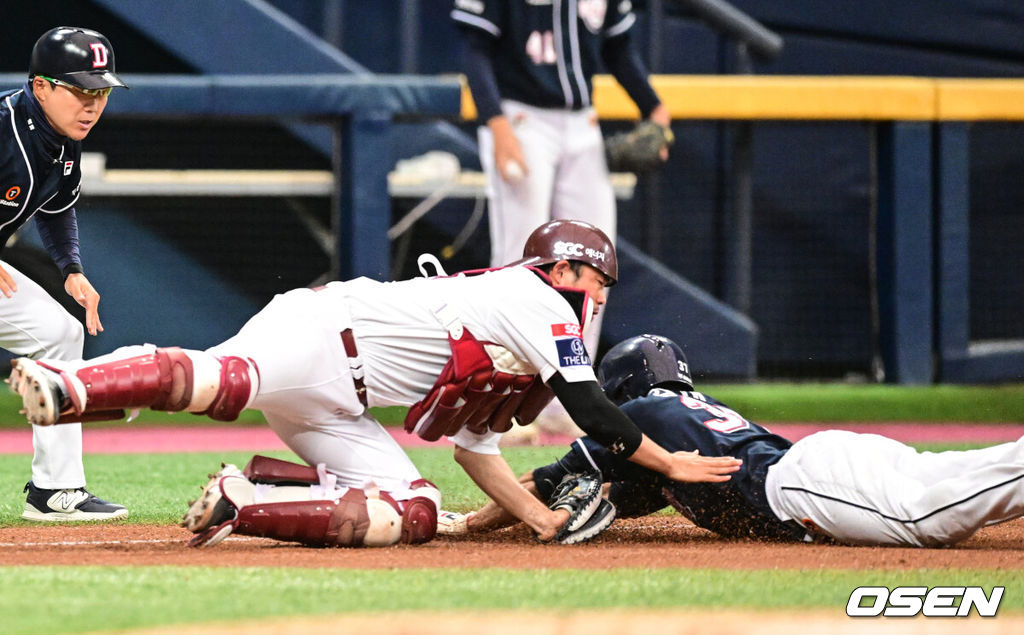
(814, 98)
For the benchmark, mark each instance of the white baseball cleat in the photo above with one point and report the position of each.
(452, 523)
(39, 389)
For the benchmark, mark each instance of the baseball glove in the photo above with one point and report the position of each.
(638, 150)
(589, 514)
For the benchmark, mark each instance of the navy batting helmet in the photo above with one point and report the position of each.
(632, 367)
(571, 240)
(80, 57)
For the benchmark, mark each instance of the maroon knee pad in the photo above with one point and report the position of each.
(234, 391)
(419, 521)
(419, 516)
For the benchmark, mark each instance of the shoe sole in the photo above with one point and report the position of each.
(28, 382)
(452, 524)
(31, 513)
(202, 510)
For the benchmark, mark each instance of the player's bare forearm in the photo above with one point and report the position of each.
(493, 475)
(492, 516)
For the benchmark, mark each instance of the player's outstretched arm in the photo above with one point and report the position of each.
(492, 516)
(605, 423)
(493, 475)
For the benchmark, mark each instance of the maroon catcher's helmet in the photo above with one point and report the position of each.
(571, 240)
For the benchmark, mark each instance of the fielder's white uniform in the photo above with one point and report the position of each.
(306, 386)
(33, 324)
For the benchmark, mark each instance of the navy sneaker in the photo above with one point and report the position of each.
(67, 505)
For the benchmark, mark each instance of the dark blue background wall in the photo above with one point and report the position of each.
(813, 182)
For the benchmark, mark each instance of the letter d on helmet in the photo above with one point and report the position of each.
(80, 57)
(571, 240)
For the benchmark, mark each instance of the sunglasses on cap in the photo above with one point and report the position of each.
(88, 92)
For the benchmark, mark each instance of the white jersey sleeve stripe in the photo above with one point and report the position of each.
(476, 21)
(623, 25)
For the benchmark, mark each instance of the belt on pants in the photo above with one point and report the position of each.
(355, 364)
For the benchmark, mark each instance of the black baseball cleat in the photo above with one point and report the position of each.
(63, 505)
(601, 520)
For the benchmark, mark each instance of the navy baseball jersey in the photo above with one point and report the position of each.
(39, 171)
(693, 421)
(548, 49)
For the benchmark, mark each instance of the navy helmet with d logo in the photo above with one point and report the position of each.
(76, 56)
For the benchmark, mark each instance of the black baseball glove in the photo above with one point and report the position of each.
(589, 514)
(638, 150)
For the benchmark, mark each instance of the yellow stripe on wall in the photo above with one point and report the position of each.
(776, 97)
(814, 98)
(980, 99)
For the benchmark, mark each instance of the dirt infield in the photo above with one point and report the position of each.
(653, 542)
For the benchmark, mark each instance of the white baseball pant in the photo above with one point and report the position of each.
(34, 325)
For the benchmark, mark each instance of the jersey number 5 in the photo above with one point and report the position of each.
(540, 47)
(725, 420)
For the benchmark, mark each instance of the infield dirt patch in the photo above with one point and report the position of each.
(652, 542)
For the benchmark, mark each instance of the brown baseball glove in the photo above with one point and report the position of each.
(638, 150)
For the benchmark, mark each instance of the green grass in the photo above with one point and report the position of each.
(81, 599)
(792, 402)
(156, 487)
(762, 402)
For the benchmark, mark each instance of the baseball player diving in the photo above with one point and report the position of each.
(42, 125)
(468, 353)
(858, 489)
